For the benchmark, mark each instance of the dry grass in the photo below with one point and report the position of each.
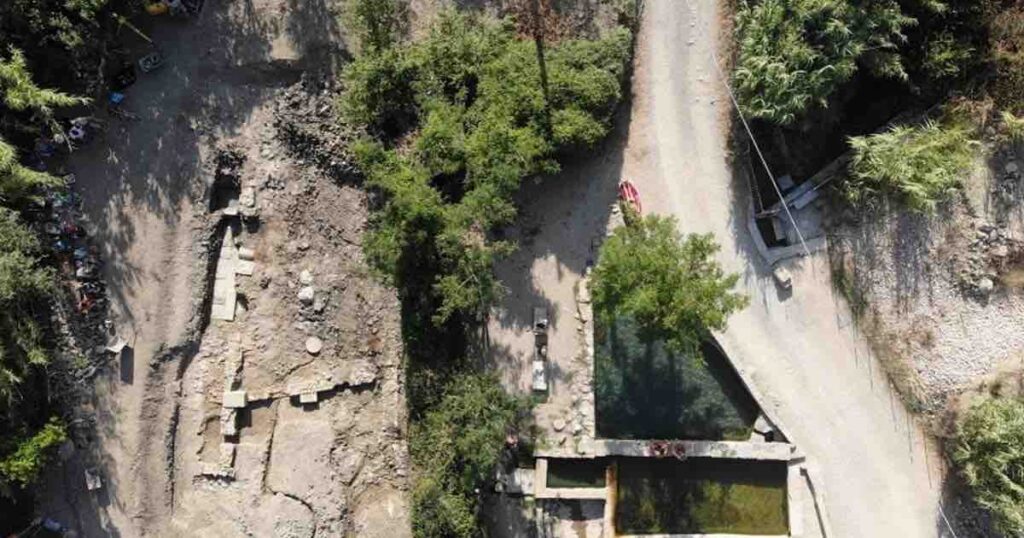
(894, 355)
(892, 350)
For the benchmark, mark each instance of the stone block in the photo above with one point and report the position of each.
(235, 399)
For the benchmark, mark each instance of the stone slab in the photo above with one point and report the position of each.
(235, 399)
(694, 449)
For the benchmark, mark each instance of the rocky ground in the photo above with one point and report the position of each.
(241, 114)
(939, 295)
(309, 315)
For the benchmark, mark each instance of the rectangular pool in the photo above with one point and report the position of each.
(701, 496)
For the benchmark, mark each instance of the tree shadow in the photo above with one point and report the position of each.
(562, 218)
(644, 390)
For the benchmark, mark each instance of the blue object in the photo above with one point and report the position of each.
(52, 525)
(116, 98)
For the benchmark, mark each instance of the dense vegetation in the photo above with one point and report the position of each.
(813, 73)
(470, 95)
(454, 122)
(920, 165)
(457, 445)
(25, 284)
(988, 450)
(793, 54)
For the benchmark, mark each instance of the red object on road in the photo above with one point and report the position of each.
(629, 194)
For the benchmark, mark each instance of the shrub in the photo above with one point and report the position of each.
(440, 512)
(1012, 126)
(945, 57)
(989, 450)
(23, 465)
(457, 446)
(378, 93)
(921, 165)
(376, 22)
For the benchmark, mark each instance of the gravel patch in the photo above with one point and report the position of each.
(932, 293)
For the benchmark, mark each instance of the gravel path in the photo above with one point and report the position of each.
(881, 472)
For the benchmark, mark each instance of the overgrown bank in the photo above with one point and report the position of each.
(454, 122)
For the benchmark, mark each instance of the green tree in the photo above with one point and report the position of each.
(792, 54)
(457, 446)
(671, 285)
(377, 22)
(921, 165)
(470, 96)
(24, 286)
(16, 181)
(20, 93)
(989, 451)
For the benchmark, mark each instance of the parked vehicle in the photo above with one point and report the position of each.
(629, 195)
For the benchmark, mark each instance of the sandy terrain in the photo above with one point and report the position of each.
(145, 187)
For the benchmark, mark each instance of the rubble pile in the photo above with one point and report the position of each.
(989, 253)
(306, 123)
(992, 250)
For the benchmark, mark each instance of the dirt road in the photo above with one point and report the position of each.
(882, 476)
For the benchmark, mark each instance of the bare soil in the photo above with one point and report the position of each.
(250, 77)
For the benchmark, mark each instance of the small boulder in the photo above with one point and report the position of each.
(985, 285)
(305, 277)
(314, 345)
(306, 295)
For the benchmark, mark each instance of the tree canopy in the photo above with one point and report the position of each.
(470, 95)
(670, 284)
(793, 54)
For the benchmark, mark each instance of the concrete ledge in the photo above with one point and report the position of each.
(542, 491)
(699, 536)
(699, 449)
(817, 487)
